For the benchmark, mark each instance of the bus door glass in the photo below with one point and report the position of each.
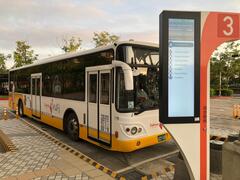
(99, 106)
(104, 106)
(93, 105)
(36, 83)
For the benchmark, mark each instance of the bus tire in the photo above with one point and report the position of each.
(20, 109)
(73, 127)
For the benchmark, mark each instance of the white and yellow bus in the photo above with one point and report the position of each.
(107, 96)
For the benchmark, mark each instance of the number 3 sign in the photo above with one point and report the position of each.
(228, 25)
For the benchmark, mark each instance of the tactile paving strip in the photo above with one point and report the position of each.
(7, 143)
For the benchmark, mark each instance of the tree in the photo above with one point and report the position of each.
(71, 45)
(104, 38)
(225, 67)
(3, 59)
(23, 54)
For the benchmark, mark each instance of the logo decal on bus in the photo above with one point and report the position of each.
(53, 107)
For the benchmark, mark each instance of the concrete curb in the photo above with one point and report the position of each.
(7, 143)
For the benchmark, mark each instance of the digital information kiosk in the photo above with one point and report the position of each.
(187, 41)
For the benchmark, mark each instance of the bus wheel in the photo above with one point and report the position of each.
(73, 127)
(20, 109)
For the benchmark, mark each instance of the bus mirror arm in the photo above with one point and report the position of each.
(128, 74)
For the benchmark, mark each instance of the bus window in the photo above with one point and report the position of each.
(93, 88)
(57, 85)
(57, 78)
(145, 67)
(105, 88)
(46, 82)
(125, 99)
(74, 79)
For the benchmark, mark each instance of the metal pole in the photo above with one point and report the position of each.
(220, 84)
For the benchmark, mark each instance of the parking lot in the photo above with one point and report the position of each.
(222, 122)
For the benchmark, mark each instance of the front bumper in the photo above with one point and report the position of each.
(132, 145)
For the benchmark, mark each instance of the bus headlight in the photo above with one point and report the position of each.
(134, 130)
(139, 130)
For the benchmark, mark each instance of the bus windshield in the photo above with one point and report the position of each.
(144, 62)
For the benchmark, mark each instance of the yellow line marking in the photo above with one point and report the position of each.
(98, 166)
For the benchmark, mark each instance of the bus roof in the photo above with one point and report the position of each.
(79, 53)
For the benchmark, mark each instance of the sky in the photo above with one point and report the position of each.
(44, 23)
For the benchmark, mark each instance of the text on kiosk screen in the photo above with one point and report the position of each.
(181, 68)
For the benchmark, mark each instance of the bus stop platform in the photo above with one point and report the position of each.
(34, 154)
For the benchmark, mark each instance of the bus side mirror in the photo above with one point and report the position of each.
(128, 74)
(129, 54)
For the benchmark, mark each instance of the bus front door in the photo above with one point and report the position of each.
(36, 93)
(99, 106)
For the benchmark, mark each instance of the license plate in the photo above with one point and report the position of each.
(161, 137)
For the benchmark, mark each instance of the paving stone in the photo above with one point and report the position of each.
(35, 156)
(51, 177)
(85, 178)
(10, 178)
(2, 174)
(87, 168)
(94, 173)
(72, 171)
(29, 175)
(103, 177)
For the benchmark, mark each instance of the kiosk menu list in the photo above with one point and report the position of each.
(181, 68)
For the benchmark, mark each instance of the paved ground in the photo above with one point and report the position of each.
(148, 159)
(39, 158)
(222, 122)
(24, 137)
